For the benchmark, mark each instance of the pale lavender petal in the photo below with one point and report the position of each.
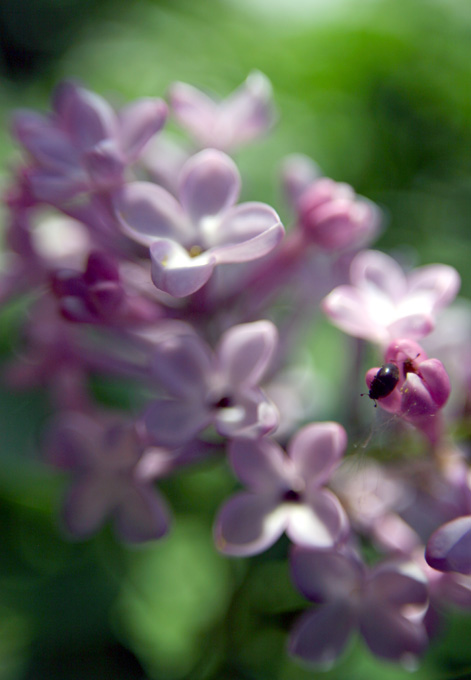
(209, 184)
(297, 173)
(259, 464)
(52, 186)
(244, 222)
(245, 352)
(248, 524)
(49, 145)
(247, 113)
(174, 423)
(317, 450)
(139, 121)
(175, 272)
(320, 522)
(148, 212)
(88, 504)
(378, 274)
(347, 308)
(436, 284)
(325, 575)
(86, 116)
(251, 416)
(397, 584)
(390, 635)
(182, 363)
(319, 637)
(104, 164)
(142, 516)
(449, 547)
(194, 110)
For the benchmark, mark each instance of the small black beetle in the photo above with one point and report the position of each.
(384, 382)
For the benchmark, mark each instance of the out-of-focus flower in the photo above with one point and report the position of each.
(285, 493)
(83, 145)
(422, 389)
(189, 238)
(217, 388)
(240, 118)
(379, 602)
(382, 303)
(449, 547)
(112, 478)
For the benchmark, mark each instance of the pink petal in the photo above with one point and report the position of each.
(139, 121)
(142, 516)
(319, 637)
(209, 184)
(297, 173)
(378, 274)
(436, 284)
(248, 524)
(175, 272)
(449, 547)
(245, 352)
(147, 212)
(436, 378)
(243, 223)
(259, 464)
(317, 449)
(348, 309)
(174, 423)
(413, 326)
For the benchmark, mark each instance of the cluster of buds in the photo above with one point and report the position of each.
(140, 262)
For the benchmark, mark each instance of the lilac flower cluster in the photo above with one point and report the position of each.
(139, 262)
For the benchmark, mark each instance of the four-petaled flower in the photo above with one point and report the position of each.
(189, 238)
(285, 493)
(217, 388)
(382, 303)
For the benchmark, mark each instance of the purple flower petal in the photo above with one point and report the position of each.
(390, 635)
(320, 522)
(48, 145)
(319, 637)
(259, 464)
(142, 516)
(413, 326)
(88, 504)
(398, 584)
(297, 173)
(86, 116)
(247, 231)
(245, 352)
(52, 186)
(324, 576)
(139, 121)
(449, 547)
(182, 364)
(175, 272)
(147, 212)
(194, 110)
(174, 423)
(317, 449)
(209, 184)
(437, 380)
(248, 524)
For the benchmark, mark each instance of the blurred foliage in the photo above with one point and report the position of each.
(378, 94)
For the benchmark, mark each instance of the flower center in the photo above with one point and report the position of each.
(291, 496)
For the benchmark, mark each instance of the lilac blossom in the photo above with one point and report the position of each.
(286, 492)
(217, 388)
(382, 303)
(377, 601)
(422, 390)
(449, 547)
(112, 477)
(83, 145)
(243, 116)
(187, 239)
